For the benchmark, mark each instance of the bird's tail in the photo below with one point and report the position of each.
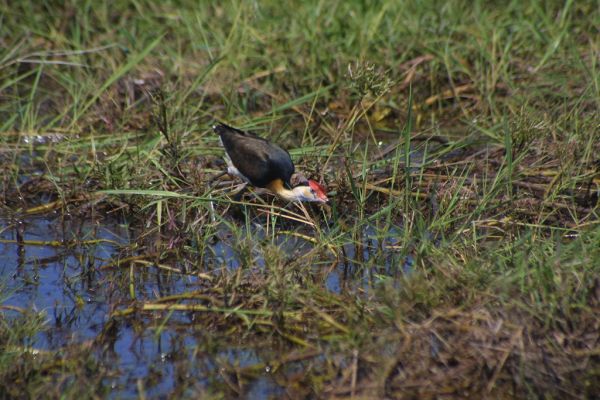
(224, 129)
(220, 127)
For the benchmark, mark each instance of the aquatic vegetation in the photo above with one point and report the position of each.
(458, 254)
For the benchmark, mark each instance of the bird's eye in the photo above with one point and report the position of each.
(312, 191)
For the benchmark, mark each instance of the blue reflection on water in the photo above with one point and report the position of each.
(66, 282)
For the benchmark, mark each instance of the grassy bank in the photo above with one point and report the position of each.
(460, 145)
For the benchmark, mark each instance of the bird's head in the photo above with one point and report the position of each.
(311, 191)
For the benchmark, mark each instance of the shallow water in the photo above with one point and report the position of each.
(64, 279)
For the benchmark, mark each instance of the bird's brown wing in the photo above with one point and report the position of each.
(257, 159)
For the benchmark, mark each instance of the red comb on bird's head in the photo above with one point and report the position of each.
(319, 190)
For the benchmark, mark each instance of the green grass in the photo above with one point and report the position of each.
(463, 136)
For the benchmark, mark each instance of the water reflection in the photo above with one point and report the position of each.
(58, 266)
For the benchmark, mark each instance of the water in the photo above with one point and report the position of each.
(55, 265)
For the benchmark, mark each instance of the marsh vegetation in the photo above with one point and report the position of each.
(459, 254)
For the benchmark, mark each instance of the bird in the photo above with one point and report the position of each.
(265, 165)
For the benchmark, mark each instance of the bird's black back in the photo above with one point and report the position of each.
(259, 160)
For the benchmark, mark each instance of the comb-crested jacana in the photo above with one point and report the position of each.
(265, 165)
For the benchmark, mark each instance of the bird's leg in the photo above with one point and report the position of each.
(237, 196)
(214, 178)
(258, 192)
(212, 184)
(211, 208)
